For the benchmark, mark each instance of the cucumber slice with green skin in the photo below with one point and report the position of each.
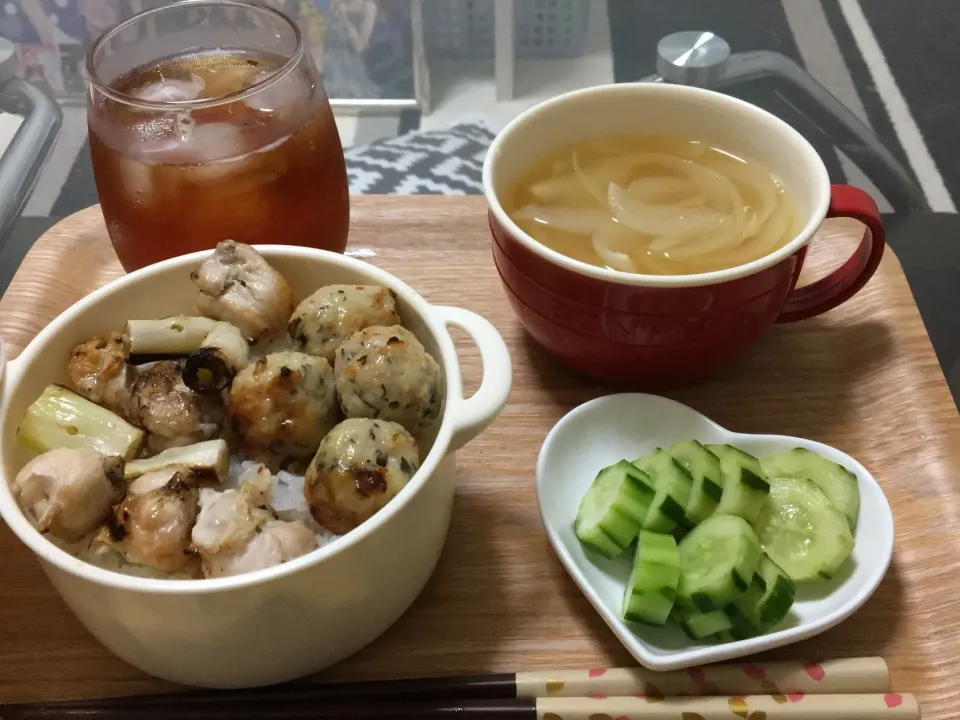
(652, 587)
(838, 483)
(742, 624)
(745, 487)
(725, 636)
(698, 626)
(612, 512)
(802, 531)
(717, 562)
(766, 602)
(704, 468)
(673, 483)
(779, 592)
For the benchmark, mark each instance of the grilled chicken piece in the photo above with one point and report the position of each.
(99, 371)
(173, 414)
(275, 543)
(153, 523)
(238, 286)
(69, 491)
(236, 532)
(230, 517)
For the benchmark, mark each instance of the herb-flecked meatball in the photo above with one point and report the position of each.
(385, 373)
(360, 465)
(282, 405)
(333, 313)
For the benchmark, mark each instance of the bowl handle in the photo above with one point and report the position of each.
(844, 282)
(472, 415)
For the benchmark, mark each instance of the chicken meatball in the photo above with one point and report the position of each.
(69, 491)
(171, 412)
(333, 313)
(384, 373)
(282, 405)
(99, 371)
(153, 523)
(238, 286)
(360, 465)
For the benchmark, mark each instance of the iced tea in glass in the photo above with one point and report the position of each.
(201, 133)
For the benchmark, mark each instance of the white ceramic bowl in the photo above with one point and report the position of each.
(284, 622)
(608, 429)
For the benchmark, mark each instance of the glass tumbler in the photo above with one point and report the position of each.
(202, 132)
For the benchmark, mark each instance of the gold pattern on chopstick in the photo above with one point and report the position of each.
(738, 706)
(652, 693)
(774, 691)
(554, 686)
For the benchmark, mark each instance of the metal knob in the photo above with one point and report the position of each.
(692, 58)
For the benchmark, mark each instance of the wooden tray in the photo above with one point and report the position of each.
(863, 378)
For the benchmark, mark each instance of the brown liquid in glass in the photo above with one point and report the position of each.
(267, 168)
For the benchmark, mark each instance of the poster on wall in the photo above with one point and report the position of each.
(51, 37)
(364, 49)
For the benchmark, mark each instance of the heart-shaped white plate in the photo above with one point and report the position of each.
(608, 429)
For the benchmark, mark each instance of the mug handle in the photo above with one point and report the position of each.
(472, 415)
(844, 282)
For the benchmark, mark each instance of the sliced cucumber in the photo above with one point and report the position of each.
(652, 587)
(673, 485)
(612, 512)
(725, 636)
(699, 625)
(802, 531)
(745, 486)
(740, 611)
(778, 595)
(838, 483)
(704, 468)
(717, 562)
(766, 602)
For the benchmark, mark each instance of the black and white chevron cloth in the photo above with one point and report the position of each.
(438, 162)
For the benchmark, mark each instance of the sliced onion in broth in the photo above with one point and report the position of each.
(579, 221)
(666, 189)
(566, 189)
(727, 235)
(652, 220)
(614, 259)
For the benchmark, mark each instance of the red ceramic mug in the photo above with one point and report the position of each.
(656, 330)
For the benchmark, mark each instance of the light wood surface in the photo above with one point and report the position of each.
(863, 378)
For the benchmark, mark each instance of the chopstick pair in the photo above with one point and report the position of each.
(752, 707)
(519, 695)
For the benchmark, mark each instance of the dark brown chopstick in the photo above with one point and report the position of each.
(437, 689)
(282, 710)
(840, 676)
(885, 706)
